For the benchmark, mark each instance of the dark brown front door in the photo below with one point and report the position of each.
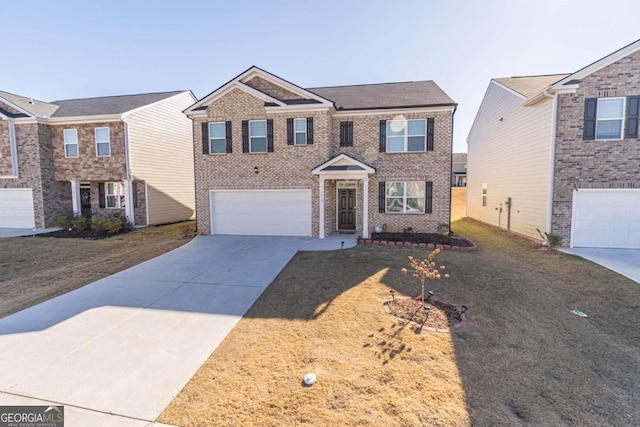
(85, 202)
(346, 209)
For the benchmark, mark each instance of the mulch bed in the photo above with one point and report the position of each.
(427, 238)
(441, 316)
(73, 234)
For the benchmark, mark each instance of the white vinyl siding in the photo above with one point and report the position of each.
(509, 150)
(161, 154)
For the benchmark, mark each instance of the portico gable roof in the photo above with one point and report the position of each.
(343, 165)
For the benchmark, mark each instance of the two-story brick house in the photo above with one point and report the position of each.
(272, 158)
(561, 153)
(128, 155)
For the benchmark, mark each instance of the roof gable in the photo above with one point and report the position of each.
(275, 91)
(342, 164)
(27, 107)
(574, 78)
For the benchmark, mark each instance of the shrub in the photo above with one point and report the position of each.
(64, 221)
(106, 225)
(551, 240)
(80, 223)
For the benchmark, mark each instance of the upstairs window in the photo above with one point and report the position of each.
(406, 135)
(217, 138)
(258, 136)
(609, 118)
(300, 127)
(103, 143)
(70, 142)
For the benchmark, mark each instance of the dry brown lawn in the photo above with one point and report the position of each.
(35, 269)
(522, 359)
(458, 203)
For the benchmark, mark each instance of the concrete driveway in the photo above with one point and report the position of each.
(117, 351)
(622, 261)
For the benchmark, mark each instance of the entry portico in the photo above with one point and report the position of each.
(348, 174)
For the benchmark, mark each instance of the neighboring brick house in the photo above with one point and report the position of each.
(272, 158)
(561, 153)
(128, 155)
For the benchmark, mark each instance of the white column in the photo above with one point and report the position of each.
(365, 208)
(76, 202)
(321, 208)
(128, 197)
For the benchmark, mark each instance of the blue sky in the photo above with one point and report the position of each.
(59, 49)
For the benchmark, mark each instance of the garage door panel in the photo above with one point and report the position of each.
(254, 212)
(16, 208)
(606, 219)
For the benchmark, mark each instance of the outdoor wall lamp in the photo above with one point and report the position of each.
(255, 169)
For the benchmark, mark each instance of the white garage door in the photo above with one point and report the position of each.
(261, 212)
(606, 219)
(16, 208)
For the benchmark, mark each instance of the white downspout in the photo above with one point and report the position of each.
(321, 208)
(552, 157)
(14, 149)
(128, 182)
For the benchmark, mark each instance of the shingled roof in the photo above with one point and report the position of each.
(529, 86)
(107, 104)
(33, 106)
(385, 95)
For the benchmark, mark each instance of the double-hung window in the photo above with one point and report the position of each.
(258, 136)
(406, 135)
(609, 118)
(300, 131)
(115, 195)
(70, 142)
(405, 197)
(217, 138)
(103, 143)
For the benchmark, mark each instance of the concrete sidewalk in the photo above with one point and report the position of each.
(123, 347)
(622, 261)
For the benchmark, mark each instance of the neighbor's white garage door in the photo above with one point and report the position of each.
(606, 219)
(16, 208)
(261, 212)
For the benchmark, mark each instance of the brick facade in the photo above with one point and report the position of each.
(35, 163)
(290, 166)
(271, 89)
(591, 163)
(88, 166)
(6, 168)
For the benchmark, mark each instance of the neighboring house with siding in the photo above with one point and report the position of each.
(459, 170)
(561, 153)
(273, 158)
(125, 155)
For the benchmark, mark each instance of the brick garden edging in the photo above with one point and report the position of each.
(442, 247)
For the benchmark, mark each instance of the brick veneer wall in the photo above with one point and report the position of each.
(9, 109)
(6, 168)
(36, 172)
(593, 164)
(290, 166)
(427, 166)
(271, 89)
(88, 166)
(140, 212)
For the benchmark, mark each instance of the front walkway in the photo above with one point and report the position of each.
(117, 351)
